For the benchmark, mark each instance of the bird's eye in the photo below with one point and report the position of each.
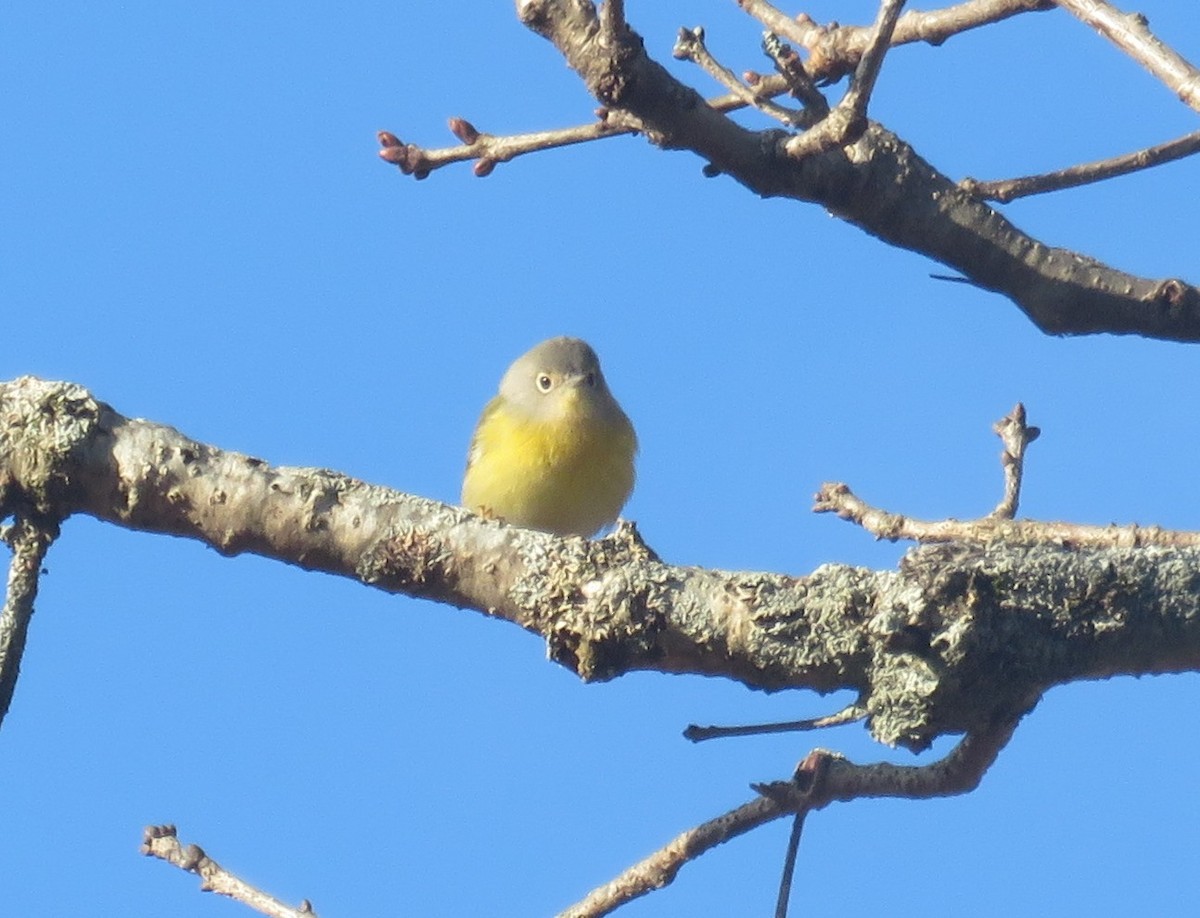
(590, 379)
(544, 382)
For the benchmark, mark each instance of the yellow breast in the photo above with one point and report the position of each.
(570, 475)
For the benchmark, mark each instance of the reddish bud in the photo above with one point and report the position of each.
(397, 155)
(484, 166)
(464, 130)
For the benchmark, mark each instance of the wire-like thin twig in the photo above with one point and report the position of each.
(689, 45)
(1131, 33)
(1016, 436)
(163, 843)
(29, 541)
(848, 715)
(789, 865)
(1005, 190)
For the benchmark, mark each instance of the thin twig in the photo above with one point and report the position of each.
(1131, 33)
(809, 777)
(161, 842)
(867, 71)
(836, 50)
(832, 53)
(689, 45)
(789, 866)
(661, 867)
(29, 542)
(489, 149)
(848, 715)
(999, 525)
(848, 119)
(823, 777)
(1016, 437)
(795, 76)
(835, 497)
(1086, 173)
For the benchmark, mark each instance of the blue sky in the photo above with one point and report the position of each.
(197, 228)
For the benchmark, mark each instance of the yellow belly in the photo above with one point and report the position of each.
(568, 476)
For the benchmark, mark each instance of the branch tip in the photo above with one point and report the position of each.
(463, 130)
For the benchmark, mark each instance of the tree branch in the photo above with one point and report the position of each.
(161, 842)
(689, 45)
(879, 184)
(1084, 174)
(29, 541)
(835, 497)
(847, 121)
(836, 50)
(1131, 33)
(955, 639)
(822, 778)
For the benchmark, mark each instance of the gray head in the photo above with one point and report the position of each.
(557, 376)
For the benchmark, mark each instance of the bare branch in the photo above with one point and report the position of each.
(1131, 33)
(1086, 173)
(867, 71)
(795, 76)
(29, 541)
(1063, 292)
(689, 45)
(661, 867)
(822, 778)
(489, 149)
(847, 715)
(945, 623)
(835, 497)
(161, 842)
(848, 119)
(1016, 437)
(836, 50)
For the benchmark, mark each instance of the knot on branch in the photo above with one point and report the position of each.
(599, 604)
(43, 428)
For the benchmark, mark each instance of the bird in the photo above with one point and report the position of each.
(552, 450)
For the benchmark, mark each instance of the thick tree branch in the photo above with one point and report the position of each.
(833, 52)
(878, 183)
(955, 639)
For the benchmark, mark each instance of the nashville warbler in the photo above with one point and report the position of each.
(552, 450)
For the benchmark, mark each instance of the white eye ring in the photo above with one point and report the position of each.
(590, 380)
(544, 382)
